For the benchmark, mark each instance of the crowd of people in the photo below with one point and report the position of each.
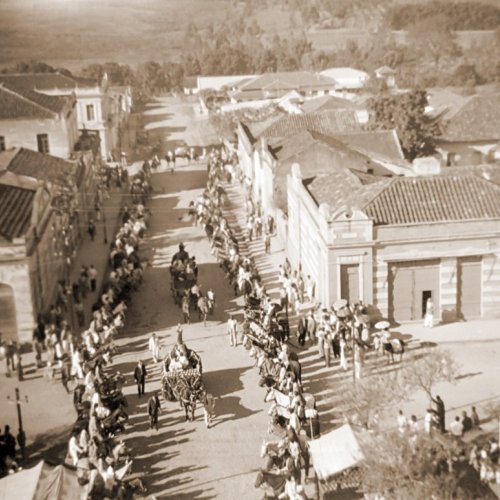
(264, 332)
(83, 358)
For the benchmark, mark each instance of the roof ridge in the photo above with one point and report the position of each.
(18, 93)
(384, 184)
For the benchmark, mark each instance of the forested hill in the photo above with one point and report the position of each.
(154, 44)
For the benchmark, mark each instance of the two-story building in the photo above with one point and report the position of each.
(27, 267)
(395, 242)
(40, 122)
(39, 235)
(94, 109)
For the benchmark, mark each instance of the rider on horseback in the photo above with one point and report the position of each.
(181, 254)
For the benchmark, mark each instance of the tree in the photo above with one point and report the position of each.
(398, 468)
(406, 113)
(428, 369)
(369, 396)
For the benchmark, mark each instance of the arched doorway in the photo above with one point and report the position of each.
(8, 321)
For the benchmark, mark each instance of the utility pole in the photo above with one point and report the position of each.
(21, 437)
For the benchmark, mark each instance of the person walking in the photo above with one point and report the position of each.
(140, 377)
(343, 359)
(154, 408)
(93, 278)
(267, 243)
(402, 422)
(91, 229)
(154, 347)
(231, 330)
(302, 330)
(208, 403)
(327, 348)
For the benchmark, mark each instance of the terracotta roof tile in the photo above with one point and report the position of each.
(17, 103)
(41, 166)
(420, 200)
(477, 120)
(329, 122)
(16, 206)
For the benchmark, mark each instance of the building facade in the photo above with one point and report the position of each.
(97, 109)
(397, 242)
(38, 122)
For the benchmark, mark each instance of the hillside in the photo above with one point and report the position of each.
(72, 33)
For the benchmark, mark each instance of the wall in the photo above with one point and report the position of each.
(14, 271)
(22, 133)
(464, 154)
(446, 242)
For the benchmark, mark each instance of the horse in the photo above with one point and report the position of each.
(186, 397)
(203, 309)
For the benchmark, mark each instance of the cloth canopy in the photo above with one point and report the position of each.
(335, 452)
(42, 482)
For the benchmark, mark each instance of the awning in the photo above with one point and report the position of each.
(335, 452)
(42, 482)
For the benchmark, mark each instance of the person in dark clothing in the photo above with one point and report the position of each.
(441, 413)
(302, 330)
(140, 377)
(39, 343)
(466, 422)
(91, 229)
(126, 215)
(75, 290)
(154, 408)
(10, 443)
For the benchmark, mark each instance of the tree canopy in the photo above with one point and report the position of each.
(406, 113)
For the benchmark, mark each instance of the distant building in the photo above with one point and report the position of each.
(277, 85)
(32, 247)
(470, 130)
(395, 242)
(96, 110)
(219, 82)
(347, 79)
(387, 75)
(44, 123)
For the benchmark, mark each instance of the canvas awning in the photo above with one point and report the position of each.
(42, 482)
(335, 452)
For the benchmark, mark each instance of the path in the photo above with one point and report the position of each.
(184, 459)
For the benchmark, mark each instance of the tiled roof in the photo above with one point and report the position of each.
(478, 119)
(329, 122)
(421, 200)
(46, 81)
(382, 142)
(326, 102)
(22, 103)
(16, 207)
(286, 80)
(41, 166)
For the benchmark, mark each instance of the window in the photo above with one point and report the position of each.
(43, 143)
(90, 112)
(2, 143)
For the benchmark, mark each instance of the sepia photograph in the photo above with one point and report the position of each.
(250, 249)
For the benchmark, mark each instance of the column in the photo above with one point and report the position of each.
(490, 290)
(381, 287)
(448, 290)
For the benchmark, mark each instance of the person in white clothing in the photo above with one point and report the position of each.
(429, 314)
(154, 347)
(74, 450)
(402, 422)
(343, 359)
